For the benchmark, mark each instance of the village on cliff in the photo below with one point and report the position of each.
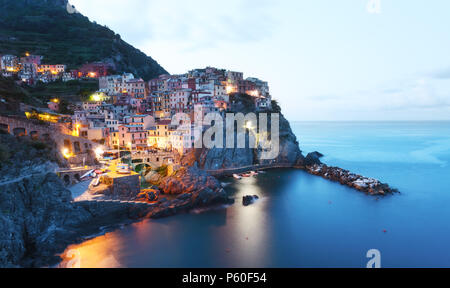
(128, 113)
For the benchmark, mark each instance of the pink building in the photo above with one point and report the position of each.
(136, 88)
(53, 69)
(53, 105)
(133, 137)
(199, 95)
(92, 70)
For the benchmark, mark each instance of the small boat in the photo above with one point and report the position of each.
(96, 182)
(87, 174)
(123, 169)
(236, 176)
(247, 175)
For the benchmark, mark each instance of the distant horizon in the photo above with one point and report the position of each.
(324, 60)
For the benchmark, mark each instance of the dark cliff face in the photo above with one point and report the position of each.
(45, 27)
(24, 156)
(226, 158)
(34, 215)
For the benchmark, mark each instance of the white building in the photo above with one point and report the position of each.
(179, 99)
(10, 63)
(115, 84)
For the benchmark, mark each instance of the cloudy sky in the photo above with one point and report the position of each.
(324, 59)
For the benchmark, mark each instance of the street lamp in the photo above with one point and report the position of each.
(99, 152)
(66, 153)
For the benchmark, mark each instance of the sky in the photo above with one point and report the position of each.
(325, 60)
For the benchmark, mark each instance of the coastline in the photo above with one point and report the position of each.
(112, 216)
(39, 239)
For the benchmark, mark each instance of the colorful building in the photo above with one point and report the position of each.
(52, 69)
(92, 70)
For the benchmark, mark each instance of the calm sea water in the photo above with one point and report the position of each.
(306, 221)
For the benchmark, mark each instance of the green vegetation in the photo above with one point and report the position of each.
(46, 28)
(71, 91)
(242, 103)
(141, 168)
(40, 94)
(11, 95)
(39, 145)
(275, 107)
(5, 153)
(18, 150)
(163, 170)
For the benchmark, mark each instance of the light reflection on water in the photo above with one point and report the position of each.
(100, 252)
(233, 234)
(306, 221)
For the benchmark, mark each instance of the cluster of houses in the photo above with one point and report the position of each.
(30, 69)
(128, 113)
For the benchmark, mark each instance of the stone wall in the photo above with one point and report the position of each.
(123, 188)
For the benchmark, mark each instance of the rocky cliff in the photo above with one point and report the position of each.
(229, 158)
(35, 214)
(24, 156)
(38, 218)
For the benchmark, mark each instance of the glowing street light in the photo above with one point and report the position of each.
(99, 152)
(254, 93)
(76, 132)
(66, 153)
(96, 97)
(231, 89)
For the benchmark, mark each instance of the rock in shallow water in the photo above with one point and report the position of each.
(313, 158)
(148, 195)
(249, 200)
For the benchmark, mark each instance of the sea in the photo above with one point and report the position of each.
(303, 220)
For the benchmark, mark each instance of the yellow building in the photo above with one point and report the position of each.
(159, 135)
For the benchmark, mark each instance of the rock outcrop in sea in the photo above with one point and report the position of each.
(249, 199)
(367, 185)
(225, 161)
(193, 187)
